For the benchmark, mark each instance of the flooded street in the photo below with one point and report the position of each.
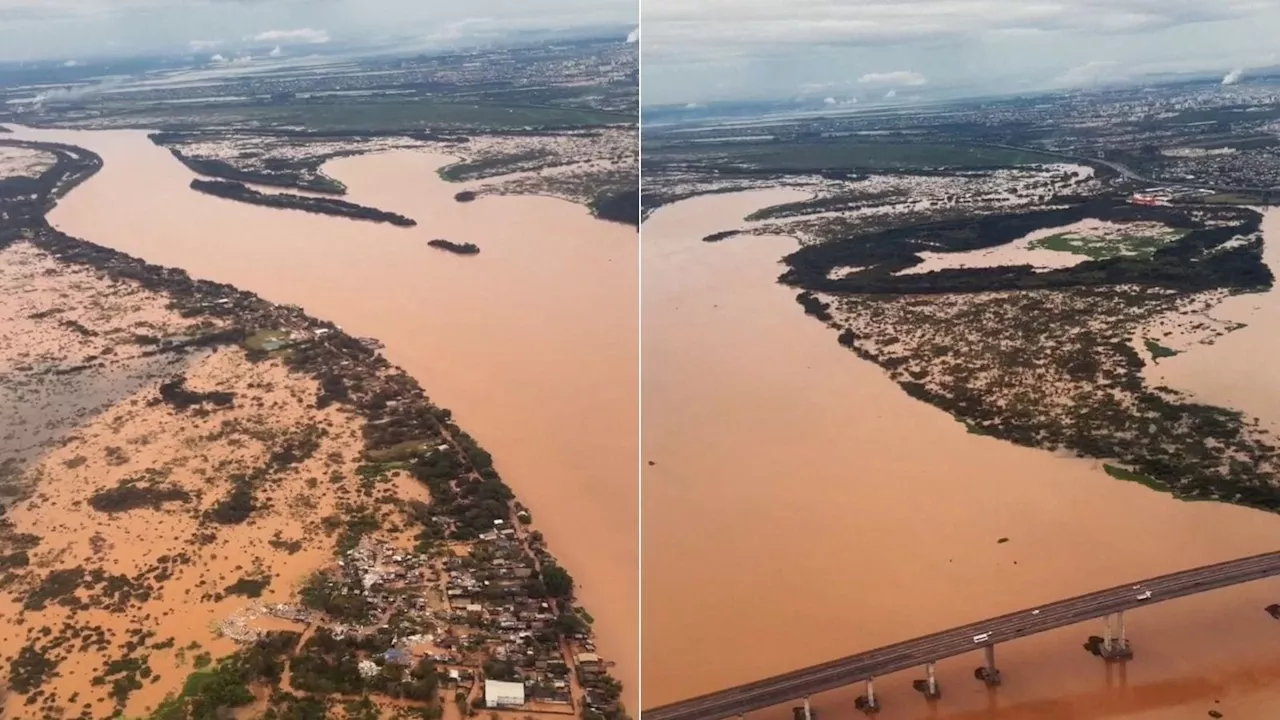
(532, 343)
(801, 507)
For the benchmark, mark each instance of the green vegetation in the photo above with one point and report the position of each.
(137, 492)
(490, 166)
(366, 114)
(1203, 258)
(558, 582)
(239, 192)
(1158, 351)
(1100, 248)
(266, 340)
(248, 587)
(210, 692)
(1120, 473)
(858, 154)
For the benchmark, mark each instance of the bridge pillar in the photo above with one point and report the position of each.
(988, 672)
(808, 710)
(931, 683)
(1115, 648)
(868, 703)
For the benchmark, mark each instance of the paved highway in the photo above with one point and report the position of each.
(958, 641)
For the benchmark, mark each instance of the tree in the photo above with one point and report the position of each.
(558, 582)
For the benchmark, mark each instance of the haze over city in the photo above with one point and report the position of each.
(75, 29)
(903, 49)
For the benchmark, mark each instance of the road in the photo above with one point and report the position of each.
(958, 641)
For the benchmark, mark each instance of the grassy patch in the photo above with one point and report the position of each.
(1127, 475)
(266, 340)
(399, 452)
(1101, 248)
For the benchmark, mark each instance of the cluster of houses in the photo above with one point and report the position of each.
(472, 609)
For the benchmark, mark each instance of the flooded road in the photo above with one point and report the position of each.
(532, 343)
(801, 507)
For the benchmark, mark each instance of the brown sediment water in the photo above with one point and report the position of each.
(801, 507)
(532, 343)
(1237, 370)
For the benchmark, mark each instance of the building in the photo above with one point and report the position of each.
(498, 694)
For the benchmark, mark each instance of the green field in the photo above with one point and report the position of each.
(1099, 248)
(369, 114)
(862, 154)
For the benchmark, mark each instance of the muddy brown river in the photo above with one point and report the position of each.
(532, 343)
(801, 507)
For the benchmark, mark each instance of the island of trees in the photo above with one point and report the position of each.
(457, 248)
(620, 207)
(324, 206)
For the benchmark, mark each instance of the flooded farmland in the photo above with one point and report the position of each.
(798, 506)
(532, 343)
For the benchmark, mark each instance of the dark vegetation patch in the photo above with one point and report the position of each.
(175, 393)
(1190, 264)
(718, 236)
(455, 248)
(324, 206)
(248, 587)
(465, 196)
(620, 207)
(1158, 351)
(59, 586)
(141, 491)
(328, 665)
(299, 176)
(30, 668)
(239, 502)
(489, 167)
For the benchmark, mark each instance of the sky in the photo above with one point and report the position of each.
(849, 52)
(77, 29)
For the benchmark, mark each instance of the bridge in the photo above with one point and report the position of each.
(924, 651)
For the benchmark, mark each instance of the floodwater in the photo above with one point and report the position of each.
(532, 343)
(1235, 371)
(801, 507)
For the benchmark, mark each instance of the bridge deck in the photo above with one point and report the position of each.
(958, 641)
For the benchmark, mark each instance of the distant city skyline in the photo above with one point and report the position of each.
(850, 52)
(72, 30)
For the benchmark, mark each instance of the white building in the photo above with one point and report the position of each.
(498, 694)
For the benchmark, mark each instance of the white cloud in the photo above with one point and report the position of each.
(766, 48)
(301, 35)
(633, 37)
(48, 29)
(900, 78)
(275, 52)
(70, 63)
(217, 59)
(891, 95)
(1093, 72)
(830, 101)
(202, 45)
(1233, 77)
